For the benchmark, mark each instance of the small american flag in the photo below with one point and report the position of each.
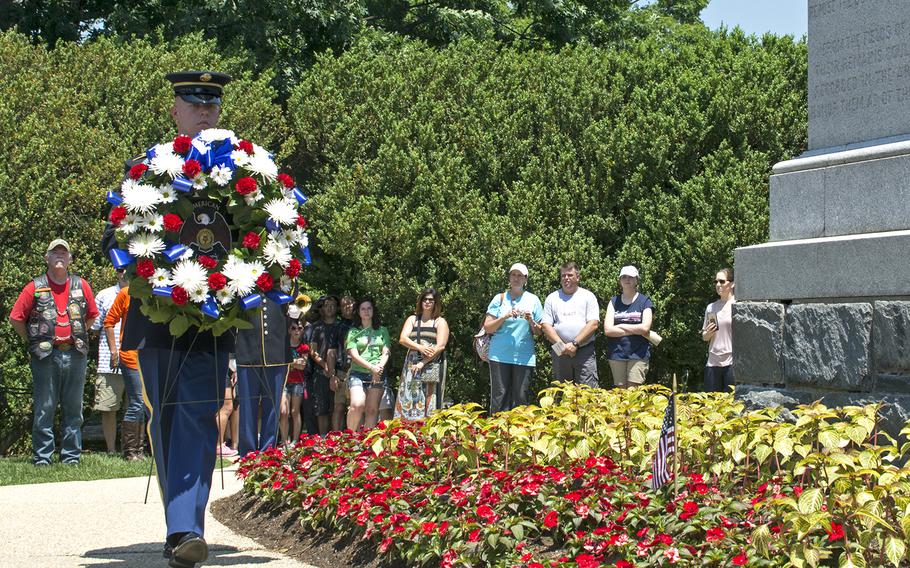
(665, 446)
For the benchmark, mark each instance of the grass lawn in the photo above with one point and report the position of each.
(20, 471)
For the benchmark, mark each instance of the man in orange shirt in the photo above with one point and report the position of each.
(53, 314)
(132, 429)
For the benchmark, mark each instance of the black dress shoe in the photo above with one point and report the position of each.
(189, 550)
(168, 550)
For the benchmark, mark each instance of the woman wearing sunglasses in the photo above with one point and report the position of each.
(717, 330)
(425, 334)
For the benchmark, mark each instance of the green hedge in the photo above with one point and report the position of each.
(69, 117)
(442, 167)
(435, 166)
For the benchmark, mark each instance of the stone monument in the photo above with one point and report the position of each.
(823, 308)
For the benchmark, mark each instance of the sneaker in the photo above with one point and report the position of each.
(227, 451)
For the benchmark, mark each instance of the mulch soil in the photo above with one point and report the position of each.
(279, 530)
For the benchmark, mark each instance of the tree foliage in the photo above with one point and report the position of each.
(286, 35)
(443, 167)
(69, 117)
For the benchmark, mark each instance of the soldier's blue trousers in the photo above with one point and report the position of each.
(259, 389)
(183, 390)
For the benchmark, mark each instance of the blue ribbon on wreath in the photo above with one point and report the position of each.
(164, 291)
(299, 196)
(120, 258)
(251, 302)
(210, 308)
(175, 252)
(114, 198)
(307, 259)
(278, 297)
(219, 155)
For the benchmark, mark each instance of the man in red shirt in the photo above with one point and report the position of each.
(53, 314)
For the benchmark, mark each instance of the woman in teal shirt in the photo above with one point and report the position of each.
(513, 318)
(368, 345)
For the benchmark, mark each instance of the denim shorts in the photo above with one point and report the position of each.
(364, 381)
(294, 389)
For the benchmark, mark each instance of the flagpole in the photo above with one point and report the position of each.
(676, 444)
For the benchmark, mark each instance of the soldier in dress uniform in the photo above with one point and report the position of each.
(262, 366)
(183, 378)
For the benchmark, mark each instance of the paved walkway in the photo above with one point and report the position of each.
(105, 523)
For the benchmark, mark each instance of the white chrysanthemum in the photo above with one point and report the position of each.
(130, 224)
(153, 223)
(282, 211)
(303, 238)
(200, 145)
(287, 237)
(215, 134)
(256, 268)
(161, 278)
(189, 275)
(253, 198)
(224, 296)
(168, 193)
(241, 286)
(139, 198)
(261, 163)
(286, 283)
(240, 158)
(276, 253)
(167, 163)
(145, 245)
(200, 181)
(187, 254)
(222, 175)
(199, 295)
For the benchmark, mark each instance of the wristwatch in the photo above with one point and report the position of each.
(575, 343)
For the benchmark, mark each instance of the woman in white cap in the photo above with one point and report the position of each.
(626, 325)
(513, 318)
(717, 330)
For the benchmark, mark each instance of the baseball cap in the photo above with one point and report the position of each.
(520, 268)
(629, 271)
(58, 243)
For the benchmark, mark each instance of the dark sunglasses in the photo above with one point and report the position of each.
(428, 300)
(721, 281)
(295, 326)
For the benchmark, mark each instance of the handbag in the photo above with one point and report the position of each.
(482, 339)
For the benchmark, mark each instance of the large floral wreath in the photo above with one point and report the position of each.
(178, 247)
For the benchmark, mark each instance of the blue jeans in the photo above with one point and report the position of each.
(59, 378)
(132, 383)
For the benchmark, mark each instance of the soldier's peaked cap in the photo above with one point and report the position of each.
(199, 87)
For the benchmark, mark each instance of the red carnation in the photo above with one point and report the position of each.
(293, 268)
(303, 349)
(245, 186)
(217, 281)
(137, 171)
(301, 221)
(182, 144)
(206, 261)
(246, 146)
(191, 168)
(118, 214)
(179, 295)
(286, 180)
(251, 240)
(265, 282)
(172, 222)
(145, 268)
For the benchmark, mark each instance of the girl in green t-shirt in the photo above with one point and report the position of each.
(368, 345)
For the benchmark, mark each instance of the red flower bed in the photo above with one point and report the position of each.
(418, 502)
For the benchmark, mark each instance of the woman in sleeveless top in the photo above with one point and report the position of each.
(425, 334)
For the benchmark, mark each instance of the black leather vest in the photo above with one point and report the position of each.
(42, 321)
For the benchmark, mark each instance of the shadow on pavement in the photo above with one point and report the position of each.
(149, 554)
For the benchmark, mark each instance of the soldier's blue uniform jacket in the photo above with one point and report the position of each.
(262, 365)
